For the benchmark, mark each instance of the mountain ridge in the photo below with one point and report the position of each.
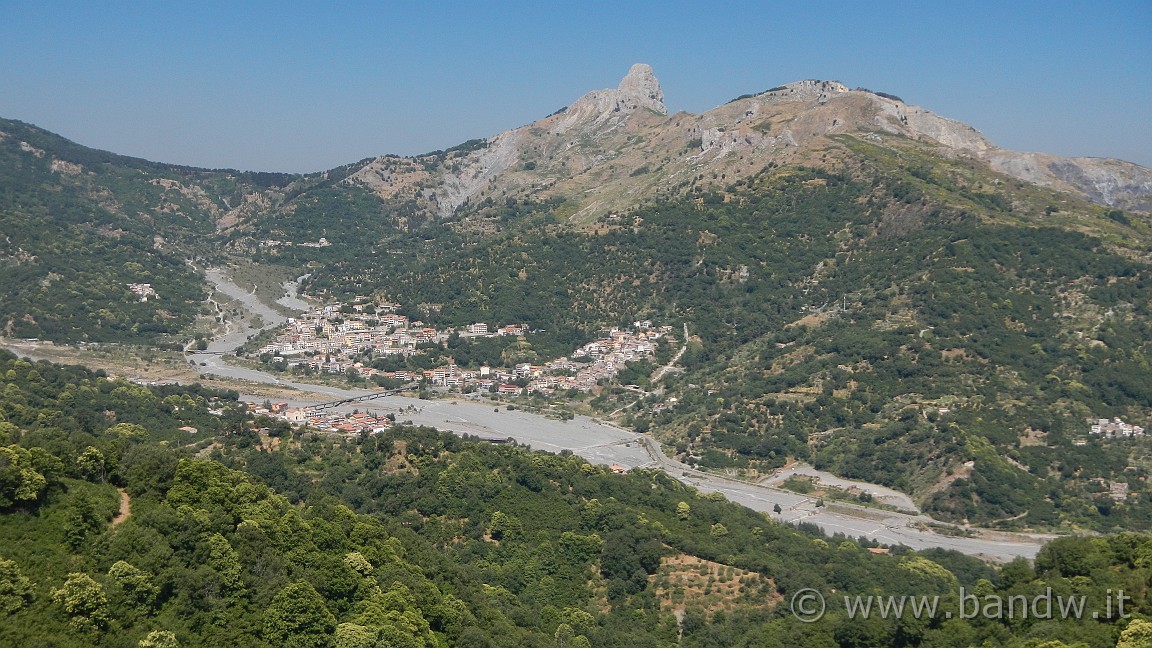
(606, 153)
(614, 149)
(849, 267)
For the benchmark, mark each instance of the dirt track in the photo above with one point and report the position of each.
(125, 511)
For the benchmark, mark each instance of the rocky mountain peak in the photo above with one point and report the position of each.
(809, 88)
(641, 86)
(607, 108)
(616, 147)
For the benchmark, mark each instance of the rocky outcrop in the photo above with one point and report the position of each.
(806, 90)
(1104, 181)
(639, 89)
(475, 172)
(617, 147)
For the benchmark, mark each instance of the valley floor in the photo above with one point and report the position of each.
(589, 438)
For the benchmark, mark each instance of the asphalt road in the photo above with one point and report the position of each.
(882, 494)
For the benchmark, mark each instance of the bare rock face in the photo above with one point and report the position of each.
(1104, 181)
(614, 148)
(808, 89)
(640, 86)
(474, 172)
(1109, 182)
(639, 89)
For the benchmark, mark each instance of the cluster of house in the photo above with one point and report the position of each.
(325, 420)
(581, 370)
(1115, 428)
(330, 339)
(142, 290)
(603, 358)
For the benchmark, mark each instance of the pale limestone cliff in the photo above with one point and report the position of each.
(615, 148)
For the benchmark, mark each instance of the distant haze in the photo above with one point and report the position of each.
(303, 87)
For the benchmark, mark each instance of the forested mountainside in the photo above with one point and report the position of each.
(916, 328)
(119, 528)
(81, 227)
(864, 285)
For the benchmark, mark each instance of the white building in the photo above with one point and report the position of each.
(1115, 428)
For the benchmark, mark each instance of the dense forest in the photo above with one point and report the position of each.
(252, 534)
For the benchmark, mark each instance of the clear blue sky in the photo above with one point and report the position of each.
(293, 86)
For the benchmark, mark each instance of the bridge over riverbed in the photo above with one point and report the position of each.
(318, 407)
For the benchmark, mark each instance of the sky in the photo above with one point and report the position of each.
(302, 87)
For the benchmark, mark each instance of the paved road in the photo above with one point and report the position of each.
(881, 494)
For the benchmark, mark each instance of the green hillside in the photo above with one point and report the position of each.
(416, 538)
(895, 315)
(889, 323)
(81, 225)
